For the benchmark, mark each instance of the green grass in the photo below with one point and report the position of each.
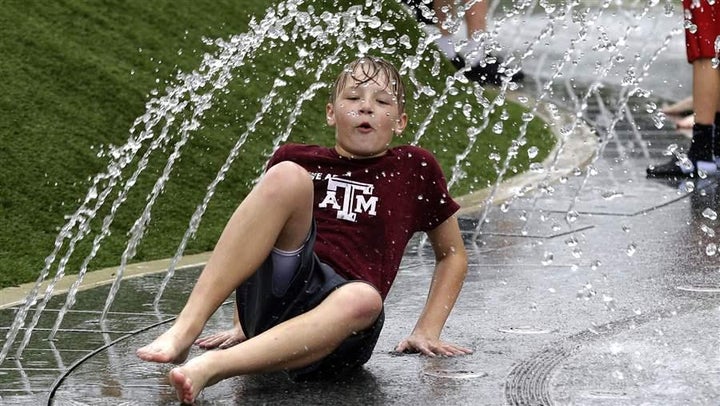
(77, 74)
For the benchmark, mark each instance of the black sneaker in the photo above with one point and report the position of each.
(671, 169)
(699, 157)
(490, 73)
(676, 168)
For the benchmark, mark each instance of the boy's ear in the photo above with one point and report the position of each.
(330, 114)
(400, 124)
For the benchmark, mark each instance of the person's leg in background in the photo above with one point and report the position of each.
(702, 41)
(480, 65)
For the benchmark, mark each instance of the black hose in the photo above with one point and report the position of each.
(65, 374)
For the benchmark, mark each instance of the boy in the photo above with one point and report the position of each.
(314, 247)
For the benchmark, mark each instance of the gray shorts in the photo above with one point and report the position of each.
(260, 309)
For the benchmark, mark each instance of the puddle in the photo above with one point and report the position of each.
(524, 330)
(458, 374)
(700, 288)
(604, 394)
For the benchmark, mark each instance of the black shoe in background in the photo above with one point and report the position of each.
(670, 169)
(699, 157)
(426, 16)
(488, 74)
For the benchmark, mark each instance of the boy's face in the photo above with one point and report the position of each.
(365, 117)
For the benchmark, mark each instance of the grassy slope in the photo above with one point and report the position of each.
(76, 75)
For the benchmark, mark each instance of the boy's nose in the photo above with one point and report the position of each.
(365, 106)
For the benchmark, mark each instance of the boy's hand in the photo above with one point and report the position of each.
(222, 340)
(430, 346)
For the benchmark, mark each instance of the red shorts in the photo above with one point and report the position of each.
(706, 17)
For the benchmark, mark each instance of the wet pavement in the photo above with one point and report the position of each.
(595, 286)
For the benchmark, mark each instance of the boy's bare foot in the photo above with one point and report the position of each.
(686, 122)
(190, 379)
(183, 385)
(678, 108)
(167, 349)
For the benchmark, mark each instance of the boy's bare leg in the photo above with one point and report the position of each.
(706, 91)
(293, 344)
(277, 212)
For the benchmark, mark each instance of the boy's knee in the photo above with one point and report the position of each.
(362, 301)
(287, 177)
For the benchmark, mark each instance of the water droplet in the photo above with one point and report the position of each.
(611, 194)
(659, 119)
(595, 265)
(669, 9)
(609, 303)
(547, 258)
(709, 214)
(626, 229)
(420, 197)
(498, 127)
(527, 117)
(571, 216)
(711, 249)
(707, 230)
(549, 6)
(532, 152)
(586, 292)
(630, 250)
(467, 110)
(685, 164)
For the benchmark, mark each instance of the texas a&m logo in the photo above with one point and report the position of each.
(356, 198)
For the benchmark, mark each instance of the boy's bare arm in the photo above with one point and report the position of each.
(450, 270)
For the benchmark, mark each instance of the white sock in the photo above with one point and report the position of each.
(446, 43)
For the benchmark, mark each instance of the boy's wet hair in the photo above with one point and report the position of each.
(369, 68)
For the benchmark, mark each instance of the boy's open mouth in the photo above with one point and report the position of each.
(365, 126)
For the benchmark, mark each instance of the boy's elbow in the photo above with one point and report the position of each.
(457, 261)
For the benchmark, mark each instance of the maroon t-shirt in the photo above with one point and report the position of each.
(367, 210)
